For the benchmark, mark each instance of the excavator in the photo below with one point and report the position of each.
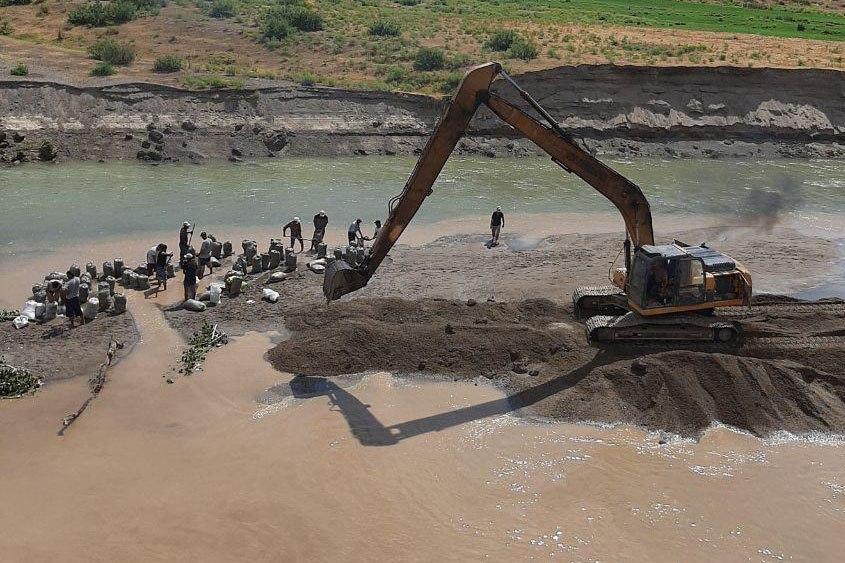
(665, 292)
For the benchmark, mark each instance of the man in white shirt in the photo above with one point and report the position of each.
(204, 257)
(151, 260)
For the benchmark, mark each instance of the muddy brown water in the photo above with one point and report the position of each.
(234, 464)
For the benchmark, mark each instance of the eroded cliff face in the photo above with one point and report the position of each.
(616, 110)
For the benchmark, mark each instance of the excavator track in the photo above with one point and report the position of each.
(591, 300)
(632, 328)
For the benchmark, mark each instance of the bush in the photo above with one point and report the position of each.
(222, 9)
(429, 59)
(212, 81)
(523, 49)
(5, 27)
(4, 3)
(302, 18)
(113, 52)
(383, 28)
(100, 15)
(275, 27)
(19, 69)
(501, 40)
(451, 83)
(395, 75)
(102, 69)
(409, 2)
(305, 78)
(167, 63)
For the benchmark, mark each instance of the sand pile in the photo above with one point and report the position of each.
(540, 355)
(430, 334)
(685, 391)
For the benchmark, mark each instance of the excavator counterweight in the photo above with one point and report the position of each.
(657, 281)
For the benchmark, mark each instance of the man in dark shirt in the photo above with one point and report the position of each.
(497, 221)
(183, 239)
(189, 268)
(295, 233)
(321, 221)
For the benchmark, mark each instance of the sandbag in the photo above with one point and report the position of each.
(110, 281)
(265, 261)
(141, 270)
(194, 305)
(215, 263)
(89, 311)
(216, 250)
(40, 309)
(38, 288)
(28, 310)
(269, 295)
(290, 262)
(227, 248)
(118, 267)
(119, 303)
(143, 283)
(214, 292)
(275, 259)
(338, 254)
(126, 278)
(40, 297)
(75, 269)
(321, 250)
(108, 270)
(235, 284)
(86, 278)
(276, 277)
(83, 292)
(91, 269)
(104, 297)
(171, 271)
(51, 310)
(204, 296)
(278, 245)
(21, 321)
(256, 265)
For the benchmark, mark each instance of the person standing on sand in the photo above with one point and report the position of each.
(353, 233)
(189, 268)
(162, 258)
(321, 221)
(295, 233)
(497, 221)
(377, 229)
(73, 308)
(151, 259)
(183, 239)
(204, 258)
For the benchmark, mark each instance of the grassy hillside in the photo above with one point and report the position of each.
(413, 45)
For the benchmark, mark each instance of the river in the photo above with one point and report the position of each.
(382, 467)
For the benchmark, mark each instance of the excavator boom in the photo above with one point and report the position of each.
(474, 90)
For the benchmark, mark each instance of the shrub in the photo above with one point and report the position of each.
(102, 69)
(113, 52)
(302, 18)
(429, 59)
(523, 49)
(5, 27)
(212, 81)
(19, 69)
(306, 78)
(222, 9)
(395, 75)
(98, 15)
(275, 27)
(382, 28)
(167, 63)
(501, 40)
(4, 3)
(409, 2)
(451, 83)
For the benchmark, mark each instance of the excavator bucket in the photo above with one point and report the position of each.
(340, 278)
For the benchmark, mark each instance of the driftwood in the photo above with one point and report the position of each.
(96, 383)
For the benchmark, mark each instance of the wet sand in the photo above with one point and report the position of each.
(205, 468)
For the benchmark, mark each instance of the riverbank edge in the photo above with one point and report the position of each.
(681, 112)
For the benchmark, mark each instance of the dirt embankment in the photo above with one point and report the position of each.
(675, 111)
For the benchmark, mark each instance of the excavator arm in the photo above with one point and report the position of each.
(474, 90)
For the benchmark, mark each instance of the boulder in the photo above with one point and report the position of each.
(275, 140)
(276, 277)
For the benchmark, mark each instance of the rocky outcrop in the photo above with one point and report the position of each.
(618, 110)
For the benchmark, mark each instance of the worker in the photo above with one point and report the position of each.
(295, 233)
(321, 221)
(377, 228)
(162, 258)
(54, 291)
(204, 257)
(183, 239)
(151, 259)
(497, 221)
(657, 286)
(73, 308)
(354, 234)
(189, 268)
